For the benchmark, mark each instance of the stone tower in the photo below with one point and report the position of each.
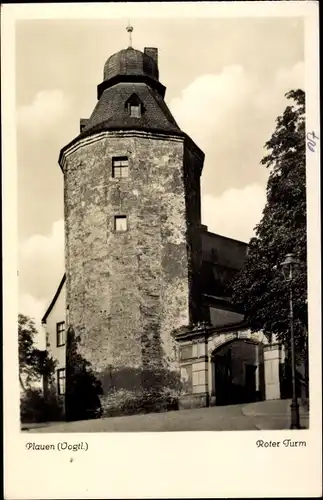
(132, 232)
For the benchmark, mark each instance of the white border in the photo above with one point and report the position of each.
(200, 464)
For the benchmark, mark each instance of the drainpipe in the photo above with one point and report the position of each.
(208, 368)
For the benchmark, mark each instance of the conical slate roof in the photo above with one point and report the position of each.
(130, 75)
(111, 110)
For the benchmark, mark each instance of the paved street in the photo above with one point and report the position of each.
(266, 415)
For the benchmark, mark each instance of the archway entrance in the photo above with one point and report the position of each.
(238, 372)
(229, 367)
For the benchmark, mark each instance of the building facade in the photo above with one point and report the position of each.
(146, 288)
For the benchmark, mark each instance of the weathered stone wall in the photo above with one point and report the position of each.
(126, 292)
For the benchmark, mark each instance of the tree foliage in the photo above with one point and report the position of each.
(33, 363)
(260, 289)
(83, 388)
(36, 407)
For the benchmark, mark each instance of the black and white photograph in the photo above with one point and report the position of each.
(162, 225)
(168, 298)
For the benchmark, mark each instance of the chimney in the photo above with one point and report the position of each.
(152, 52)
(83, 123)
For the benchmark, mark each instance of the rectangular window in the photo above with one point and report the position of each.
(120, 167)
(61, 381)
(60, 333)
(120, 223)
(135, 111)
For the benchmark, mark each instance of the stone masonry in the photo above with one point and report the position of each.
(127, 291)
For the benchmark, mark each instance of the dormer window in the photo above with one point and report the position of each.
(135, 111)
(134, 106)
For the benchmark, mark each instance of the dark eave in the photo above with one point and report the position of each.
(217, 235)
(51, 305)
(208, 332)
(155, 84)
(225, 303)
(231, 327)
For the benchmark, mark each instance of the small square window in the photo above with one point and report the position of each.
(120, 223)
(60, 333)
(120, 167)
(61, 380)
(135, 111)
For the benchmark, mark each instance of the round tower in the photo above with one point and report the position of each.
(132, 233)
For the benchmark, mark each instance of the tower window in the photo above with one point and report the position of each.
(120, 223)
(135, 111)
(134, 106)
(61, 378)
(60, 333)
(120, 167)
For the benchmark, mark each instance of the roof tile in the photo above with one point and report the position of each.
(111, 111)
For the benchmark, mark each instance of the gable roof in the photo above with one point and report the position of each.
(51, 305)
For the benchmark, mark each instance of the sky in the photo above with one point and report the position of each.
(225, 79)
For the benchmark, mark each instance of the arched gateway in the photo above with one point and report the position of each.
(229, 367)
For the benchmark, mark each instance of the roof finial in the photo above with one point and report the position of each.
(129, 28)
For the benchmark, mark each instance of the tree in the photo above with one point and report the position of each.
(259, 290)
(33, 363)
(36, 405)
(83, 389)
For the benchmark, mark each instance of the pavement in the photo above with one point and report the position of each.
(264, 415)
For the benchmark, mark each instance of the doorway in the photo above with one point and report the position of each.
(238, 373)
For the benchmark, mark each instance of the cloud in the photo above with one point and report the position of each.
(293, 78)
(41, 264)
(208, 103)
(41, 267)
(234, 213)
(231, 115)
(39, 244)
(48, 108)
(35, 309)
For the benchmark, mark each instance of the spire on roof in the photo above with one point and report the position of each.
(129, 29)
